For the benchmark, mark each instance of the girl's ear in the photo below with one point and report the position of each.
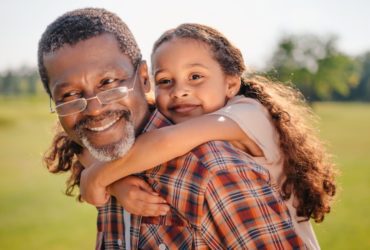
(144, 76)
(233, 85)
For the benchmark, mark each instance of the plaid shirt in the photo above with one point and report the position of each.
(219, 197)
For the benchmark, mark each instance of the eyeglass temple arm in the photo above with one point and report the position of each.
(51, 107)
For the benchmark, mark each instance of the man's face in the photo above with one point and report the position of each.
(86, 69)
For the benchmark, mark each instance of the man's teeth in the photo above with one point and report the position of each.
(102, 128)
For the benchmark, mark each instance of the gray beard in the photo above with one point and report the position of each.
(115, 150)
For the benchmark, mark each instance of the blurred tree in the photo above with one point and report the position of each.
(23, 80)
(1, 83)
(315, 66)
(10, 84)
(33, 79)
(362, 92)
(30, 78)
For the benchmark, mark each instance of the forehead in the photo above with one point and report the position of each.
(178, 52)
(184, 45)
(89, 57)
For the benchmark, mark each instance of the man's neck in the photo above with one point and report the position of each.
(148, 113)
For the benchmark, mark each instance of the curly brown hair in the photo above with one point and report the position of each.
(61, 157)
(310, 172)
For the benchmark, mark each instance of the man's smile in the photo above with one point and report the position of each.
(103, 127)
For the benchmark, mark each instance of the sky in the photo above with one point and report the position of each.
(253, 26)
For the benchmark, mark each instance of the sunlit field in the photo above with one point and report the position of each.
(346, 127)
(35, 214)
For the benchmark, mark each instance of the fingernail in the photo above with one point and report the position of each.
(164, 212)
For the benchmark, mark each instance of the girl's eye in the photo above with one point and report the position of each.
(163, 82)
(195, 77)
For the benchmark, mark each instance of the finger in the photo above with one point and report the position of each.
(138, 182)
(96, 199)
(147, 209)
(96, 196)
(145, 186)
(100, 199)
(144, 196)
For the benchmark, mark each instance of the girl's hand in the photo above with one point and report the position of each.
(90, 189)
(138, 198)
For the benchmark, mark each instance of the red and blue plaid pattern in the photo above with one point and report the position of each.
(219, 197)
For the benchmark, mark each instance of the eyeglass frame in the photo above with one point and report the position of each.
(127, 90)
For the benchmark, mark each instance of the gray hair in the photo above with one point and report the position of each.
(82, 24)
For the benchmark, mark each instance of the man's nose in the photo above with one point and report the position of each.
(93, 107)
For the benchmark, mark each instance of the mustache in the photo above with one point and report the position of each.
(90, 119)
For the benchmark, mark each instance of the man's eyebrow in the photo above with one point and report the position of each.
(110, 71)
(115, 70)
(59, 85)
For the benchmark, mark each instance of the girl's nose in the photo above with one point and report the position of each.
(180, 91)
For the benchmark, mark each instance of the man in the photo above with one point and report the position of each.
(91, 67)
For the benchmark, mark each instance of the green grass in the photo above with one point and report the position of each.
(35, 214)
(346, 127)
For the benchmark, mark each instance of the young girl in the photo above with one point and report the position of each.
(200, 87)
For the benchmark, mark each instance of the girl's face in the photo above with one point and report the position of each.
(188, 80)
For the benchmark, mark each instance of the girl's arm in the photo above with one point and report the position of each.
(161, 145)
(156, 147)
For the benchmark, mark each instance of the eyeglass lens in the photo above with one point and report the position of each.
(104, 97)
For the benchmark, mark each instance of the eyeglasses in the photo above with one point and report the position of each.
(80, 104)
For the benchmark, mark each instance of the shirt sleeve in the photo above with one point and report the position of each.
(111, 228)
(242, 212)
(254, 120)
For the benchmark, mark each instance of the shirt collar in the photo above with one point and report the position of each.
(157, 120)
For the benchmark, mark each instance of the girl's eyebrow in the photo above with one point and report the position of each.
(158, 71)
(190, 65)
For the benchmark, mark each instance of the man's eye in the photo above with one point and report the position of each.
(69, 96)
(108, 81)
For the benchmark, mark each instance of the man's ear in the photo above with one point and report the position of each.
(144, 76)
(233, 85)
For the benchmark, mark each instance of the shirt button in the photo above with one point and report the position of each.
(162, 246)
(119, 242)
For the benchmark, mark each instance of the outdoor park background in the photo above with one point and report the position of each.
(335, 78)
